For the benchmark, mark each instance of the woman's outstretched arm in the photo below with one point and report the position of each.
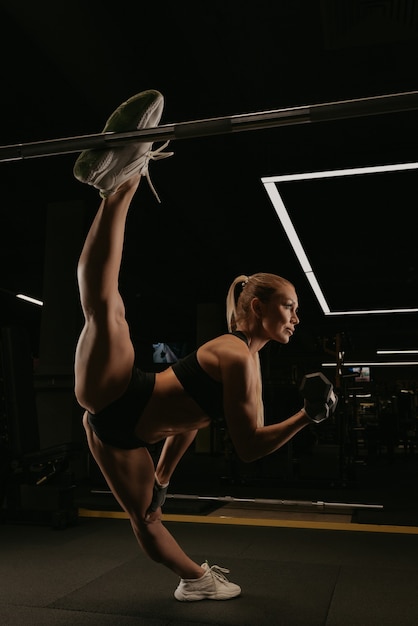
(173, 450)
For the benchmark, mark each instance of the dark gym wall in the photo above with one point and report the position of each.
(58, 412)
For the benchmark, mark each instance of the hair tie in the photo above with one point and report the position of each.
(238, 289)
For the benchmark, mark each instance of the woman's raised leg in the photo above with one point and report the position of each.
(104, 355)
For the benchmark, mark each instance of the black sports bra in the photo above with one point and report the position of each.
(205, 390)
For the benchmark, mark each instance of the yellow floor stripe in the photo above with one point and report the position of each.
(241, 521)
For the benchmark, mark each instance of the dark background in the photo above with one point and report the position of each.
(67, 65)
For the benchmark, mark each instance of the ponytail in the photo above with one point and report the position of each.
(234, 293)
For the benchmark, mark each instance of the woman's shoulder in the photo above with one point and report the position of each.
(227, 345)
(222, 354)
(229, 339)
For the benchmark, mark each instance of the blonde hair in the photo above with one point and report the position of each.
(241, 293)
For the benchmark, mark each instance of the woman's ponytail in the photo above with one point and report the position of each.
(233, 294)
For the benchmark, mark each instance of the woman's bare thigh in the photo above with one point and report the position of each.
(129, 473)
(103, 362)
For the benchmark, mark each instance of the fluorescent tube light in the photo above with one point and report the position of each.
(21, 296)
(396, 351)
(371, 363)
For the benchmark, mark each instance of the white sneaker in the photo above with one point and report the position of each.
(213, 585)
(106, 170)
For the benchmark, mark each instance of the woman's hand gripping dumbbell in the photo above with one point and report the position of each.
(320, 400)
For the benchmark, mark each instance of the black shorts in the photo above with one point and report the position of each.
(115, 425)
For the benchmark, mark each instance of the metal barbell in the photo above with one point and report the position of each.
(326, 112)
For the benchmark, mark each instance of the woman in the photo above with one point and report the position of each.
(126, 409)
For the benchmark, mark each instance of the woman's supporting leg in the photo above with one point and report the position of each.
(130, 476)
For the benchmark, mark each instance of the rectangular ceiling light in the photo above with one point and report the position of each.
(272, 184)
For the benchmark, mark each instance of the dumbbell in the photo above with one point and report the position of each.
(319, 397)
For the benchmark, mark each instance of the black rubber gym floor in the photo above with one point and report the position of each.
(297, 566)
(93, 573)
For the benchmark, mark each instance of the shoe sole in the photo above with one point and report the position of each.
(207, 596)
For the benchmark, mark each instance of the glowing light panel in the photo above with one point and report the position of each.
(272, 184)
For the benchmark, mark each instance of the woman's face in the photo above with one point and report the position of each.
(279, 315)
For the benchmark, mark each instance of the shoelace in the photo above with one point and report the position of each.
(219, 572)
(155, 155)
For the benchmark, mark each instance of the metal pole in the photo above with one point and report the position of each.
(273, 502)
(265, 501)
(377, 105)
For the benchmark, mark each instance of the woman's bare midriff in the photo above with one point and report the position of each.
(169, 411)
